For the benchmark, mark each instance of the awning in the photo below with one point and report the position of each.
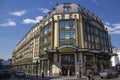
(81, 50)
(112, 54)
(95, 51)
(43, 58)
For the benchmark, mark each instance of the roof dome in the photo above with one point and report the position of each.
(72, 8)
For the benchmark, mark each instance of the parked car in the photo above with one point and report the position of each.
(20, 74)
(5, 73)
(115, 70)
(107, 73)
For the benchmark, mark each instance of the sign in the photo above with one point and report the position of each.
(79, 61)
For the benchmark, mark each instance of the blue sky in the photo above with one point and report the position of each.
(17, 17)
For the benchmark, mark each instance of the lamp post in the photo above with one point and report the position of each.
(37, 69)
(80, 67)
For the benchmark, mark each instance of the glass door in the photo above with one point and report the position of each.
(68, 64)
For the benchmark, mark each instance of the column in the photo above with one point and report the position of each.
(57, 33)
(58, 29)
(81, 66)
(76, 30)
(48, 71)
(81, 32)
(52, 33)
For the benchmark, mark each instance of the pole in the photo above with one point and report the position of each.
(80, 71)
(36, 69)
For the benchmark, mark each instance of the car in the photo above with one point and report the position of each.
(107, 73)
(115, 70)
(20, 74)
(5, 73)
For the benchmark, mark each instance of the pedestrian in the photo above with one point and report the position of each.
(60, 74)
(42, 75)
(90, 74)
(77, 74)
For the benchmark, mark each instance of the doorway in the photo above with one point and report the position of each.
(67, 64)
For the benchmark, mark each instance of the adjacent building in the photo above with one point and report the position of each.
(68, 40)
(115, 60)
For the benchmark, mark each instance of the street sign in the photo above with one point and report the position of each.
(79, 61)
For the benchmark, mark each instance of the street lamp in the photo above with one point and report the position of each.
(37, 69)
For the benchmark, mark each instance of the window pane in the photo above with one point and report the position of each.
(62, 34)
(66, 9)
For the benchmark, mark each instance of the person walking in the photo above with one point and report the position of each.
(42, 75)
(90, 75)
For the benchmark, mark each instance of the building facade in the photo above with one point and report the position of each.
(115, 60)
(68, 40)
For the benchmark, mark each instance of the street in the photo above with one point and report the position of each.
(60, 78)
(98, 78)
(26, 78)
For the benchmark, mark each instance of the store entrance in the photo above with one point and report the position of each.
(67, 65)
(68, 70)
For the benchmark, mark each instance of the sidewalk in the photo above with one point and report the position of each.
(74, 78)
(60, 78)
(69, 78)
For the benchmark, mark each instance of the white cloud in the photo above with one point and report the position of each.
(51, 3)
(44, 10)
(95, 2)
(28, 21)
(107, 23)
(114, 28)
(109, 28)
(115, 32)
(32, 21)
(119, 16)
(9, 23)
(18, 13)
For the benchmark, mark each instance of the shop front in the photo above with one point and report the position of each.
(67, 64)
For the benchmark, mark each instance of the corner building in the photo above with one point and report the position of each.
(68, 40)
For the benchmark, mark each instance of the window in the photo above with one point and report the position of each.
(86, 44)
(62, 25)
(92, 38)
(72, 35)
(96, 31)
(62, 34)
(70, 16)
(97, 40)
(89, 28)
(67, 33)
(67, 59)
(93, 46)
(67, 36)
(49, 28)
(71, 25)
(45, 30)
(85, 36)
(45, 38)
(66, 9)
(89, 37)
(63, 16)
(49, 47)
(100, 33)
(67, 25)
(89, 45)
(49, 38)
(85, 27)
(45, 48)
